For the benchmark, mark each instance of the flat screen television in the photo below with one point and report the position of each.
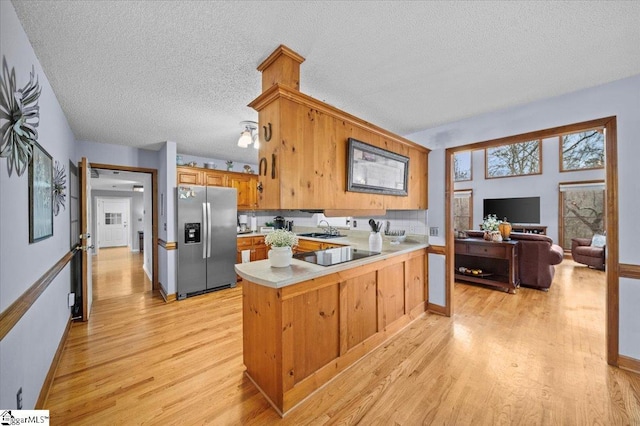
(516, 210)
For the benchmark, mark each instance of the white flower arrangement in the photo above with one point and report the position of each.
(491, 223)
(281, 238)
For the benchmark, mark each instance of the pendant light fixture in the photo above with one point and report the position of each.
(249, 135)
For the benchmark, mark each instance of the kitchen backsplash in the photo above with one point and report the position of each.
(412, 221)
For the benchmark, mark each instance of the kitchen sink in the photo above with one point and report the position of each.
(320, 235)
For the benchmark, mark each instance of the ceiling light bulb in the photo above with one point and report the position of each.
(256, 141)
(245, 139)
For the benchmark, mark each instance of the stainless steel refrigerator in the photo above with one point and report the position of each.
(207, 233)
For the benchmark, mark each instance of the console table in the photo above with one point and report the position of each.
(497, 260)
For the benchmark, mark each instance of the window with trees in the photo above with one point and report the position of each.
(463, 210)
(582, 211)
(582, 151)
(462, 166)
(516, 159)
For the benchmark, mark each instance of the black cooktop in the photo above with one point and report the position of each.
(333, 256)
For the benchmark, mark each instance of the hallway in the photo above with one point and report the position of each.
(118, 272)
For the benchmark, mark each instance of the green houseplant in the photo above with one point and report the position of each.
(281, 242)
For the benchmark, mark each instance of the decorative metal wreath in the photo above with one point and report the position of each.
(59, 185)
(19, 108)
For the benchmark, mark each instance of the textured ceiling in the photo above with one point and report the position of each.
(139, 72)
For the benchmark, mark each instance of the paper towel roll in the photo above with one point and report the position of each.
(254, 223)
(246, 256)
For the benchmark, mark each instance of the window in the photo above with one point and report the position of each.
(462, 166)
(582, 151)
(463, 210)
(113, 218)
(582, 211)
(516, 159)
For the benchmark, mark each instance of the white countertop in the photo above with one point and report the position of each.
(261, 272)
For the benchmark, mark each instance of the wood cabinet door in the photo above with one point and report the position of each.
(189, 176)
(246, 196)
(215, 178)
(307, 245)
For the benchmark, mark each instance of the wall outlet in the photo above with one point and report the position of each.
(354, 223)
(433, 231)
(412, 229)
(19, 399)
(72, 299)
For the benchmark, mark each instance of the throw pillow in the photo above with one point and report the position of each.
(598, 241)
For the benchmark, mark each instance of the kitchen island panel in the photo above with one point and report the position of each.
(360, 310)
(314, 332)
(321, 326)
(391, 297)
(262, 339)
(416, 286)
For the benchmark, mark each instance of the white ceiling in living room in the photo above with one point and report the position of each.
(139, 73)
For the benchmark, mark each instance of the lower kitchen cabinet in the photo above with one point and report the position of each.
(311, 245)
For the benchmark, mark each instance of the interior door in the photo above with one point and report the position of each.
(113, 222)
(85, 237)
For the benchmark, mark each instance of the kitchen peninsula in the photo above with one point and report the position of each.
(304, 324)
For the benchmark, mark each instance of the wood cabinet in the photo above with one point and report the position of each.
(246, 187)
(255, 244)
(298, 337)
(244, 183)
(312, 245)
(498, 262)
(306, 156)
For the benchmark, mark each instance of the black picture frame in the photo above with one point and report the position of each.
(40, 194)
(375, 170)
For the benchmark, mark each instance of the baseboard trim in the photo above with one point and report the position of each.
(144, 268)
(167, 297)
(437, 309)
(48, 381)
(629, 364)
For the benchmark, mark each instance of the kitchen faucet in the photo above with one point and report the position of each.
(328, 229)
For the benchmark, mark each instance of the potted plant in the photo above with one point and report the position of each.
(280, 242)
(491, 228)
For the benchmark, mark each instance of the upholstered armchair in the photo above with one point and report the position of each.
(583, 252)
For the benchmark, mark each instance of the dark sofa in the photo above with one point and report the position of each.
(537, 256)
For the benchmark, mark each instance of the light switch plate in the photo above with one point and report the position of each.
(433, 231)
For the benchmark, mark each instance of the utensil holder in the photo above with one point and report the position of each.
(375, 242)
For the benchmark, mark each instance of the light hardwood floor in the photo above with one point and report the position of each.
(116, 271)
(530, 358)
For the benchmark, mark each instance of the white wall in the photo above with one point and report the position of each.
(220, 164)
(620, 98)
(26, 352)
(544, 186)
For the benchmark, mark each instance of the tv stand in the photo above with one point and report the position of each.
(497, 260)
(529, 229)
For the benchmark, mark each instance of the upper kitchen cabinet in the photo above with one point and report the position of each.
(245, 184)
(306, 154)
(246, 187)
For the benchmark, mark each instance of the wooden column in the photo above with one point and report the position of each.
(281, 67)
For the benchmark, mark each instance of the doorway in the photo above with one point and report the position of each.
(123, 264)
(609, 125)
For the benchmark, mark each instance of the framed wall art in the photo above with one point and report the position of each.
(40, 194)
(376, 170)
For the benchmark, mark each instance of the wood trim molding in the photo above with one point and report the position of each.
(10, 316)
(279, 91)
(172, 245)
(167, 297)
(437, 309)
(48, 381)
(154, 208)
(437, 250)
(629, 271)
(629, 364)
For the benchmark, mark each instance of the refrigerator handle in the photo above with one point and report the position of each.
(209, 236)
(205, 237)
